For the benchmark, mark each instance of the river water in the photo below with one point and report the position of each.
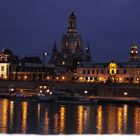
(50, 118)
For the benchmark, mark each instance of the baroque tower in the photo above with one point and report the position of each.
(134, 54)
(71, 40)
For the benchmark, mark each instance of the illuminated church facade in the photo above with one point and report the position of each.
(71, 50)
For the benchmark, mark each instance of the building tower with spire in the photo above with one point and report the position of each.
(71, 39)
(71, 49)
(134, 54)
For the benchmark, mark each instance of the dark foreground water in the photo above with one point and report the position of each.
(48, 118)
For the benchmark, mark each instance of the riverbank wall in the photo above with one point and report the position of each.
(97, 89)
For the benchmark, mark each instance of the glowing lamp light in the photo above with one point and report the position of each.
(48, 78)
(40, 91)
(125, 93)
(48, 90)
(12, 89)
(63, 78)
(57, 78)
(40, 86)
(85, 91)
(132, 51)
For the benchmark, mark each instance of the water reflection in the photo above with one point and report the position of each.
(80, 122)
(99, 120)
(137, 121)
(3, 115)
(24, 106)
(62, 119)
(42, 118)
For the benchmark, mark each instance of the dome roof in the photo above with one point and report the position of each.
(7, 51)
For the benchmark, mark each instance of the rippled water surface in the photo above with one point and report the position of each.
(50, 118)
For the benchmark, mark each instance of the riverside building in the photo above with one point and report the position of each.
(118, 72)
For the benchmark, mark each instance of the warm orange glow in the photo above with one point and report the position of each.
(46, 123)
(99, 124)
(3, 115)
(24, 116)
(62, 119)
(11, 113)
(80, 112)
(63, 78)
(125, 111)
(111, 119)
(120, 120)
(137, 121)
(56, 123)
(112, 68)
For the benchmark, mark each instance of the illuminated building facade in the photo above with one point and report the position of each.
(108, 72)
(8, 63)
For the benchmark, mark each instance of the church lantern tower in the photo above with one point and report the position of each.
(134, 54)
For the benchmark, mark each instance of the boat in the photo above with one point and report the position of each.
(43, 97)
(75, 100)
(21, 96)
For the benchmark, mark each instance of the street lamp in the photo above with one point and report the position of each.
(44, 54)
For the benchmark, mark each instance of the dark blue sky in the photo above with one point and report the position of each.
(31, 26)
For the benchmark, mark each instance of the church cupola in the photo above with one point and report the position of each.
(72, 23)
(134, 54)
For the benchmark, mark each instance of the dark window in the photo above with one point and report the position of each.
(88, 71)
(84, 72)
(108, 71)
(102, 71)
(92, 71)
(86, 78)
(118, 72)
(112, 72)
(97, 71)
(124, 71)
(91, 78)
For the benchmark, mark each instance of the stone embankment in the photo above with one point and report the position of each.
(96, 89)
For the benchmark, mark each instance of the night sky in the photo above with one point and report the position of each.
(109, 26)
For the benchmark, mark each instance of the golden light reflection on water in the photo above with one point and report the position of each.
(80, 113)
(46, 129)
(99, 124)
(24, 116)
(3, 115)
(112, 120)
(125, 116)
(119, 120)
(137, 121)
(62, 119)
(11, 113)
(38, 113)
(56, 128)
